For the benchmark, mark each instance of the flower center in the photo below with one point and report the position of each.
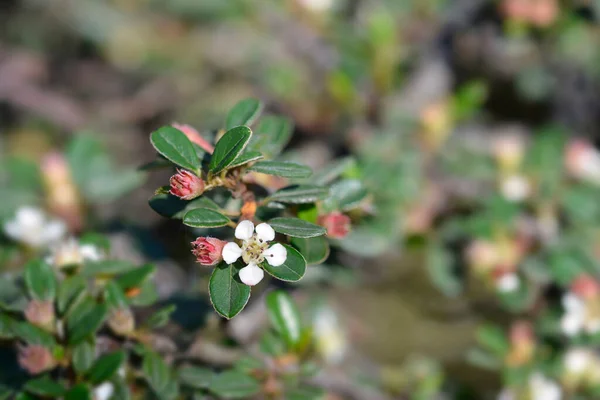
(252, 250)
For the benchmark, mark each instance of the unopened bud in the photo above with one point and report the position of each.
(186, 185)
(482, 255)
(36, 359)
(336, 223)
(41, 313)
(208, 250)
(586, 287)
(508, 151)
(121, 321)
(582, 161)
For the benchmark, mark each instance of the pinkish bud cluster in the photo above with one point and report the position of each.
(36, 359)
(586, 287)
(336, 223)
(186, 185)
(536, 12)
(40, 313)
(207, 250)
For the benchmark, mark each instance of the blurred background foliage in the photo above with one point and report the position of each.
(471, 123)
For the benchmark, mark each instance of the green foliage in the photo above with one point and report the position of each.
(229, 147)
(172, 144)
(228, 294)
(296, 227)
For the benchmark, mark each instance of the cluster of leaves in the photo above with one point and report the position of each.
(291, 211)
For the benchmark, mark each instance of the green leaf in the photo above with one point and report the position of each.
(285, 169)
(135, 278)
(160, 317)
(314, 250)
(440, 266)
(285, 317)
(234, 385)
(115, 296)
(106, 267)
(46, 387)
(272, 134)
(40, 280)
(300, 194)
(195, 377)
(346, 195)
(33, 335)
(493, 339)
(172, 144)
(172, 207)
(229, 147)
(332, 171)
(159, 377)
(79, 392)
(243, 113)
(228, 294)
(85, 322)
(296, 227)
(105, 367)
(7, 324)
(291, 270)
(245, 158)
(205, 218)
(83, 356)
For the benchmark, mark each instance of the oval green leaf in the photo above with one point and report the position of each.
(246, 157)
(292, 270)
(297, 227)
(229, 147)
(40, 280)
(271, 135)
(105, 367)
(205, 218)
(300, 194)
(282, 168)
(346, 195)
(285, 317)
(244, 112)
(172, 144)
(315, 250)
(228, 294)
(234, 385)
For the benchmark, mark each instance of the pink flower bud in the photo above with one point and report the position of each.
(194, 137)
(582, 160)
(208, 250)
(40, 313)
(186, 185)
(36, 359)
(585, 287)
(336, 223)
(521, 332)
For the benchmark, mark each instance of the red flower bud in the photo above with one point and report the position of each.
(186, 185)
(194, 137)
(336, 223)
(36, 359)
(585, 287)
(208, 250)
(40, 313)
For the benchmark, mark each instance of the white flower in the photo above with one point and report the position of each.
(317, 5)
(578, 360)
(508, 283)
(70, 252)
(515, 188)
(32, 227)
(104, 391)
(542, 388)
(254, 250)
(576, 318)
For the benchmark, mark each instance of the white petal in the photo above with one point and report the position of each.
(90, 252)
(54, 231)
(265, 232)
(13, 230)
(30, 216)
(231, 252)
(244, 230)
(573, 303)
(577, 360)
(104, 391)
(508, 283)
(275, 255)
(571, 324)
(251, 275)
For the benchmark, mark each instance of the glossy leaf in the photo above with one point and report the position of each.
(272, 134)
(346, 195)
(172, 144)
(332, 171)
(244, 112)
(159, 376)
(228, 294)
(45, 386)
(135, 278)
(40, 280)
(300, 194)
(83, 356)
(105, 367)
(79, 392)
(195, 377)
(285, 317)
(292, 270)
(285, 169)
(106, 267)
(114, 296)
(234, 385)
(229, 147)
(314, 250)
(205, 218)
(245, 158)
(86, 322)
(296, 227)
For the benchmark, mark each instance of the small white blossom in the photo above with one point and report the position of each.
(515, 188)
(32, 227)
(254, 251)
(542, 388)
(104, 391)
(317, 5)
(508, 283)
(70, 252)
(576, 318)
(578, 360)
